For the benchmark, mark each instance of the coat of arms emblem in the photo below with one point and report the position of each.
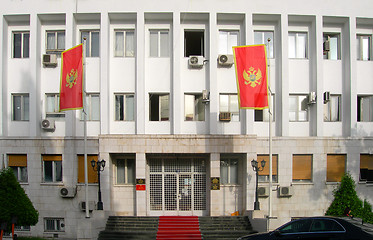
(252, 77)
(71, 78)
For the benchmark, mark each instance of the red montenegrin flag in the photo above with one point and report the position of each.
(71, 86)
(251, 74)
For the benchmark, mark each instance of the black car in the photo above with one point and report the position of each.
(318, 228)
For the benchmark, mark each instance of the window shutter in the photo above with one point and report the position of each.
(302, 167)
(336, 165)
(17, 160)
(265, 171)
(92, 175)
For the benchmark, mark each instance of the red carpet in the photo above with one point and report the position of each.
(178, 227)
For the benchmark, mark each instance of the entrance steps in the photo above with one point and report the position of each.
(176, 227)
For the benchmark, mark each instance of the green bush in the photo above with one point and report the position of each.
(15, 202)
(345, 197)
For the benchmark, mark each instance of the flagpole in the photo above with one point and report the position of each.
(85, 132)
(270, 136)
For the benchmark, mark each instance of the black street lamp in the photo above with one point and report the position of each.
(99, 166)
(257, 169)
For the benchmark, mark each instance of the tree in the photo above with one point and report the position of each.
(14, 202)
(345, 197)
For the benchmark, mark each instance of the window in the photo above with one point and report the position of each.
(21, 44)
(335, 167)
(92, 174)
(365, 108)
(366, 167)
(55, 42)
(159, 43)
(125, 170)
(298, 108)
(54, 225)
(52, 168)
(124, 107)
(332, 45)
(302, 168)
(263, 114)
(194, 43)
(93, 42)
(229, 170)
(26, 228)
(297, 226)
(264, 175)
(194, 108)
(261, 37)
(364, 47)
(21, 108)
(92, 108)
(53, 106)
(229, 103)
(326, 225)
(332, 109)
(18, 162)
(227, 40)
(124, 43)
(159, 105)
(298, 45)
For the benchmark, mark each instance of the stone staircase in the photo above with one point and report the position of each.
(225, 227)
(143, 228)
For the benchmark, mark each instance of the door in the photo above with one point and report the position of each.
(177, 186)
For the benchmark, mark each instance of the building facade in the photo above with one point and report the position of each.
(162, 108)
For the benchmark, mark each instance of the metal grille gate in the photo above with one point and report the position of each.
(177, 186)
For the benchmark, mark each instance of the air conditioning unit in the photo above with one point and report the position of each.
(196, 61)
(68, 192)
(48, 124)
(285, 191)
(225, 59)
(263, 191)
(326, 46)
(92, 206)
(50, 60)
(326, 97)
(312, 98)
(205, 96)
(224, 116)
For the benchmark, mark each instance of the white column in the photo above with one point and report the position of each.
(350, 78)
(141, 196)
(140, 74)
(176, 95)
(318, 71)
(284, 90)
(212, 109)
(248, 120)
(216, 198)
(104, 74)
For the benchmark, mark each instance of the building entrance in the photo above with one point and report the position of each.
(177, 186)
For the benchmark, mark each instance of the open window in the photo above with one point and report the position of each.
(194, 43)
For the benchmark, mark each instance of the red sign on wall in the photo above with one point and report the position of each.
(140, 187)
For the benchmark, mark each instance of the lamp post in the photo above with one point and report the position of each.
(257, 169)
(99, 167)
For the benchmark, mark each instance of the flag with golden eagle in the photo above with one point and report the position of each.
(71, 85)
(251, 75)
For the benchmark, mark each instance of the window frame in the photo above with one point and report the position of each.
(329, 55)
(22, 46)
(330, 175)
(126, 160)
(360, 47)
(360, 108)
(271, 54)
(161, 108)
(56, 50)
(125, 53)
(235, 115)
(298, 178)
(92, 174)
(88, 109)
(59, 224)
(160, 49)
(18, 162)
(328, 114)
(58, 160)
(228, 49)
(366, 163)
(56, 114)
(231, 180)
(88, 50)
(264, 112)
(124, 104)
(197, 103)
(297, 45)
(24, 116)
(187, 52)
(299, 103)
(262, 175)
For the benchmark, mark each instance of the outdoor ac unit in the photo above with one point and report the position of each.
(263, 191)
(68, 192)
(47, 124)
(326, 46)
(311, 98)
(326, 97)
(91, 206)
(224, 116)
(205, 96)
(196, 61)
(285, 191)
(225, 59)
(49, 60)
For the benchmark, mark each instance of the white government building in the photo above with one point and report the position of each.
(158, 118)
